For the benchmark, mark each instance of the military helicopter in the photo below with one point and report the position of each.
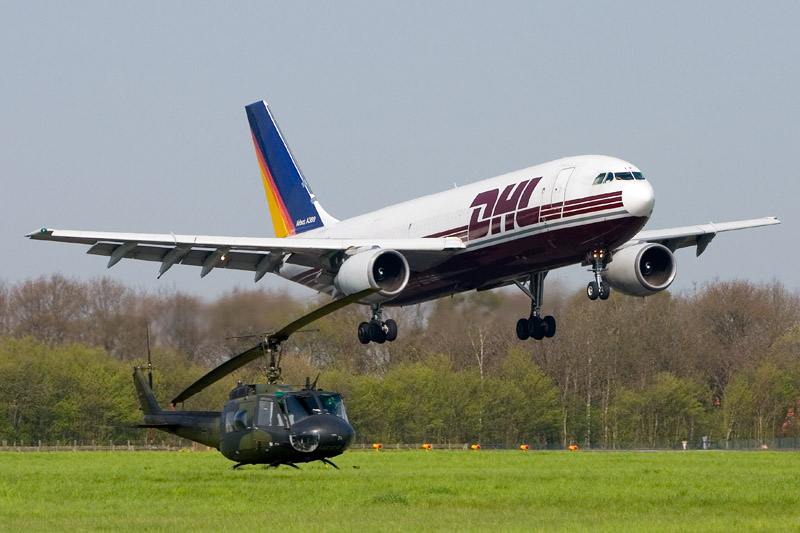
(273, 423)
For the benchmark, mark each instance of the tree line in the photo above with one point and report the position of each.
(721, 361)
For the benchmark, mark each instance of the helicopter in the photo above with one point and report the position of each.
(272, 423)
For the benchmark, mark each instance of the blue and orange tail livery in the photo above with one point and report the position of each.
(293, 207)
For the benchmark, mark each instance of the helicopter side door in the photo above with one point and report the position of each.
(236, 430)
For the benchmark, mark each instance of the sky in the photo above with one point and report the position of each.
(121, 116)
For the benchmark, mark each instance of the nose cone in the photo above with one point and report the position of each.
(639, 198)
(325, 434)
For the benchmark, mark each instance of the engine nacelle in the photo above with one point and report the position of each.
(641, 270)
(384, 270)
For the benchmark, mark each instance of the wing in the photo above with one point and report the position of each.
(260, 255)
(700, 236)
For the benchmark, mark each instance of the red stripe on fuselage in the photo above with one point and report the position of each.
(304, 277)
(513, 258)
(447, 233)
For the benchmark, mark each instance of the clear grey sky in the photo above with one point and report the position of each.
(128, 116)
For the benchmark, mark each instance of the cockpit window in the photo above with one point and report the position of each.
(299, 407)
(333, 404)
(605, 177)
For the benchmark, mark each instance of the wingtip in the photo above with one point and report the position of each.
(40, 233)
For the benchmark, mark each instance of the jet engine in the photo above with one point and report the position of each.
(384, 270)
(641, 270)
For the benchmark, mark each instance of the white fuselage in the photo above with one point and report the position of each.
(531, 220)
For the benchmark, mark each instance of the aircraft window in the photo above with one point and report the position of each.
(623, 175)
(609, 177)
(333, 404)
(638, 175)
(228, 421)
(269, 413)
(240, 420)
(300, 407)
(599, 178)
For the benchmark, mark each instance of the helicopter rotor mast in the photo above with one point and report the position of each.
(269, 345)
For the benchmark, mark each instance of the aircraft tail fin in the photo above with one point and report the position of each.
(146, 397)
(293, 206)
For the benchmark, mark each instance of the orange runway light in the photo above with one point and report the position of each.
(426, 447)
(377, 446)
(524, 447)
(573, 447)
(476, 446)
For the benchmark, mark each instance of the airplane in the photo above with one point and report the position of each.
(508, 230)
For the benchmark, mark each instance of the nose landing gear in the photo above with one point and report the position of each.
(598, 288)
(376, 330)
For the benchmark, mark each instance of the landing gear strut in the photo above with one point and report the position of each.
(536, 326)
(376, 330)
(598, 288)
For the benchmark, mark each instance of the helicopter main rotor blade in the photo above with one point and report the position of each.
(270, 342)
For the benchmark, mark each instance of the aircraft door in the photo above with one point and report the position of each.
(559, 191)
(552, 211)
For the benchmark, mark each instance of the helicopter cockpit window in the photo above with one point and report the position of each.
(333, 404)
(269, 413)
(229, 421)
(299, 407)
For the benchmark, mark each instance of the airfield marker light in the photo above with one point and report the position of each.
(427, 447)
(524, 447)
(377, 446)
(573, 447)
(476, 447)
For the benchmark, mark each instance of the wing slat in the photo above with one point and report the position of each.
(700, 235)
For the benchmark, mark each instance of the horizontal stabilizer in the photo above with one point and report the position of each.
(164, 426)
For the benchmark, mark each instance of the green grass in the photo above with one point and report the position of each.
(403, 490)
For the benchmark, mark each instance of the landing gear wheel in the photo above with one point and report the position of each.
(592, 290)
(363, 333)
(549, 323)
(605, 291)
(523, 329)
(536, 328)
(391, 330)
(376, 333)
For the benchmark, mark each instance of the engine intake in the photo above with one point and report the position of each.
(641, 270)
(384, 270)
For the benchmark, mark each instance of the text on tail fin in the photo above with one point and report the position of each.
(291, 203)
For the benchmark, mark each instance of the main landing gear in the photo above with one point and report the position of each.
(535, 326)
(598, 288)
(376, 330)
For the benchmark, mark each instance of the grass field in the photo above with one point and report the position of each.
(403, 490)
